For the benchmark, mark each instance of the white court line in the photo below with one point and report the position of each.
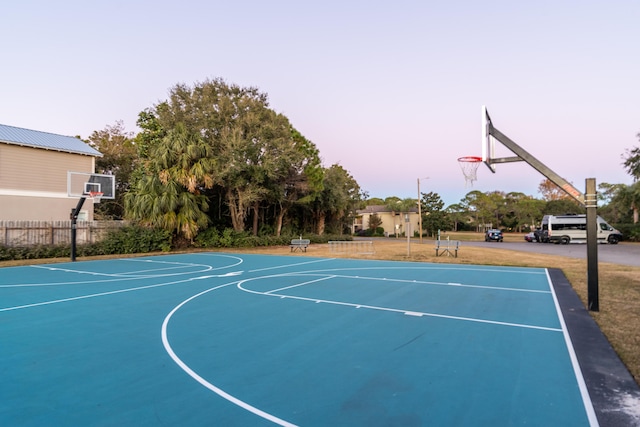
(584, 392)
(292, 265)
(135, 274)
(522, 270)
(424, 282)
(121, 276)
(101, 294)
(301, 284)
(387, 309)
(244, 405)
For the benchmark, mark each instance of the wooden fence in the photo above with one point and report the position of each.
(35, 233)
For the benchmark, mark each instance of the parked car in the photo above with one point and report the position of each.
(530, 237)
(495, 235)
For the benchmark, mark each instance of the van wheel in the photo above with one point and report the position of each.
(564, 240)
(613, 240)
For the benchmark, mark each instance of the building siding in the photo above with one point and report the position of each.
(33, 183)
(391, 222)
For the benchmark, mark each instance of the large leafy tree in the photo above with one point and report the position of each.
(336, 204)
(219, 139)
(300, 185)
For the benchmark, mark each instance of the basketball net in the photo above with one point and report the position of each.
(469, 166)
(96, 196)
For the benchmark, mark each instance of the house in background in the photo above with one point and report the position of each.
(33, 174)
(392, 222)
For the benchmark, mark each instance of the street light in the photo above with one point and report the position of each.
(420, 208)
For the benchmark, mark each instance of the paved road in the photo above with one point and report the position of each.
(623, 253)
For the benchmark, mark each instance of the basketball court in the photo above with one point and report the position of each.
(228, 339)
(236, 340)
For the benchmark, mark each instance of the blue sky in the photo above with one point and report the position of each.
(392, 91)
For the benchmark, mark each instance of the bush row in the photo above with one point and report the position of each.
(127, 240)
(137, 239)
(630, 232)
(228, 238)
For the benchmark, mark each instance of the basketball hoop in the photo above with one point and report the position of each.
(96, 196)
(469, 166)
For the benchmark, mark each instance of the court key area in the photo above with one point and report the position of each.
(255, 340)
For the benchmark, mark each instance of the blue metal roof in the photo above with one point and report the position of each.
(47, 141)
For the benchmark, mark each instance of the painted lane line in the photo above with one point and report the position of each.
(424, 282)
(292, 265)
(522, 270)
(584, 392)
(301, 284)
(395, 310)
(132, 274)
(81, 282)
(237, 259)
(100, 294)
(242, 404)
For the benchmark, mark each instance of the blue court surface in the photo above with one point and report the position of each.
(217, 339)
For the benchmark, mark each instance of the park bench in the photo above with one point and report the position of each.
(449, 247)
(299, 245)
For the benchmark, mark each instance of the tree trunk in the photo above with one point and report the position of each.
(236, 210)
(321, 221)
(256, 212)
(279, 219)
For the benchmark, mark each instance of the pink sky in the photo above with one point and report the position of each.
(391, 91)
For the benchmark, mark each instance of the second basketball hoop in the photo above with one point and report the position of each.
(96, 196)
(469, 166)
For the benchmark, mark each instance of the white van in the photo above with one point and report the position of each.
(573, 228)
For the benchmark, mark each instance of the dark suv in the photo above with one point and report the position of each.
(493, 235)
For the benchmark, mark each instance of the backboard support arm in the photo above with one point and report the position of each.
(523, 155)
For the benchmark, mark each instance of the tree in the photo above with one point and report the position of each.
(168, 196)
(629, 196)
(221, 140)
(302, 183)
(563, 207)
(632, 162)
(119, 157)
(336, 204)
(374, 222)
(434, 218)
(458, 215)
(374, 201)
(550, 191)
(522, 211)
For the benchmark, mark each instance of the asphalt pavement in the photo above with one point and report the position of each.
(624, 253)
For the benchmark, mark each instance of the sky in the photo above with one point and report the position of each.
(391, 91)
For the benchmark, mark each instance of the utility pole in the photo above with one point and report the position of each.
(420, 209)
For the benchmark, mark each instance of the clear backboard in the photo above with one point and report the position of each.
(81, 184)
(488, 143)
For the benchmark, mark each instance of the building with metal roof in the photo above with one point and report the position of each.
(45, 140)
(34, 174)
